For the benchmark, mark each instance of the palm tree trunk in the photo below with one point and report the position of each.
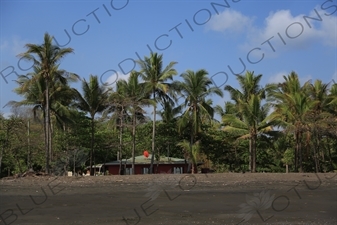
(191, 154)
(296, 150)
(250, 152)
(330, 156)
(1, 155)
(254, 153)
(193, 135)
(46, 127)
(92, 144)
(120, 141)
(50, 142)
(316, 150)
(28, 146)
(300, 153)
(153, 133)
(133, 142)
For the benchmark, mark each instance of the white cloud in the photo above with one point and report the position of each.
(113, 78)
(328, 29)
(283, 31)
(296, 31)
(334, 76)
(14, 46)
(277, 78)
(305, 79)
(230, 21)
(18, 45)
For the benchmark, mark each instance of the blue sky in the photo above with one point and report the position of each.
(213, 35)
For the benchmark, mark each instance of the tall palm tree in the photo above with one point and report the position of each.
(248, 121)
(155, 78)
(33, 87)
(93, 101)
(320, 118)
(196, 87)
(118, 104)
(137, 98)
(253, 124)
(333, 110)
(291, 107)
(47, 58)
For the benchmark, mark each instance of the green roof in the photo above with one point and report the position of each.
(141, 159)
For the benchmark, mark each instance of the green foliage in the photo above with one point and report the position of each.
(262, 128)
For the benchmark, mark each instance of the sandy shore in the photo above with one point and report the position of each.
(229, 198)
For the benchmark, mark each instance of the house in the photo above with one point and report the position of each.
(98, 169)
(143, 162)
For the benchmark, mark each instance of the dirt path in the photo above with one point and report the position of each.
(171, 199)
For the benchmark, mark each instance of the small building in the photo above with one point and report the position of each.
(98, 169)
(142, 165)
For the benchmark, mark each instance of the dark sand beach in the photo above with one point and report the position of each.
(228, 198)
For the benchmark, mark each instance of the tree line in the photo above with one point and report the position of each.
(278, 127)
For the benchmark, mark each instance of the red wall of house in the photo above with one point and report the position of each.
(113, 170)
(163, 168)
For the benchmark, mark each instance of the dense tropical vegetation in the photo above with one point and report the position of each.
(279, 127)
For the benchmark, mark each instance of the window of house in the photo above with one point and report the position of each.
(145, 170)
(178, 170)
(128, 171)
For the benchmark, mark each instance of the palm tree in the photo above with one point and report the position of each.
(229, 108)
(33, 87)
(93, 101)
(46, 57)
(253, 125)
(291, 107)
(155, 79)
(333, 99)
(196, 87)
(320, 118)
(249, 120)
(168, 112)
(191, 151)
(332, 108)
(118, 104)
(134, 93)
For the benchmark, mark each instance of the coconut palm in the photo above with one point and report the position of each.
(191, 152)
(195, 88)
(291, 107)
(133, 91)
(155, 78)
(46, 57)
(320, 119)
(333, 99)
(332, 135)
(93, 101)
(253, 124)
(169, 112)
(118, 105)
(33, 87)
(229, 108)
(248, 120)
